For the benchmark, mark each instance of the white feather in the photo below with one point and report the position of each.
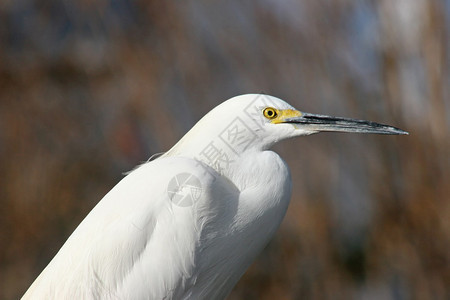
(137, 243)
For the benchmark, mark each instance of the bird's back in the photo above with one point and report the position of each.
(140, 243)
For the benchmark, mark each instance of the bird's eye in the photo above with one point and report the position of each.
(270, 113)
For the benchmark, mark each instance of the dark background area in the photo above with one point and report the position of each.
(89, 89)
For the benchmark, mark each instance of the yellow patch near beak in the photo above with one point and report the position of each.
(284, 114)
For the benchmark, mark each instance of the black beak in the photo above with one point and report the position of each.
(327, 123)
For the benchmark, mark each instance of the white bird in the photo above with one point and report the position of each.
(188, 224)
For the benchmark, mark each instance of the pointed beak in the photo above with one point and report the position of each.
(319, 123)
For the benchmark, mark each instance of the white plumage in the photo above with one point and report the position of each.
(139, 243)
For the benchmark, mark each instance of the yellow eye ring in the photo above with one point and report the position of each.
(270, 113)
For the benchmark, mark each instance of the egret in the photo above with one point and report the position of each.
(187, 224)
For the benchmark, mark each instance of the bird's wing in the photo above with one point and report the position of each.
(139, 241)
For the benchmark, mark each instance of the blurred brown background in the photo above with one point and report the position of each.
(89, 89)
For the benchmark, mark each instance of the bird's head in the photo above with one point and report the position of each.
(281, 121)
(256, 122)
